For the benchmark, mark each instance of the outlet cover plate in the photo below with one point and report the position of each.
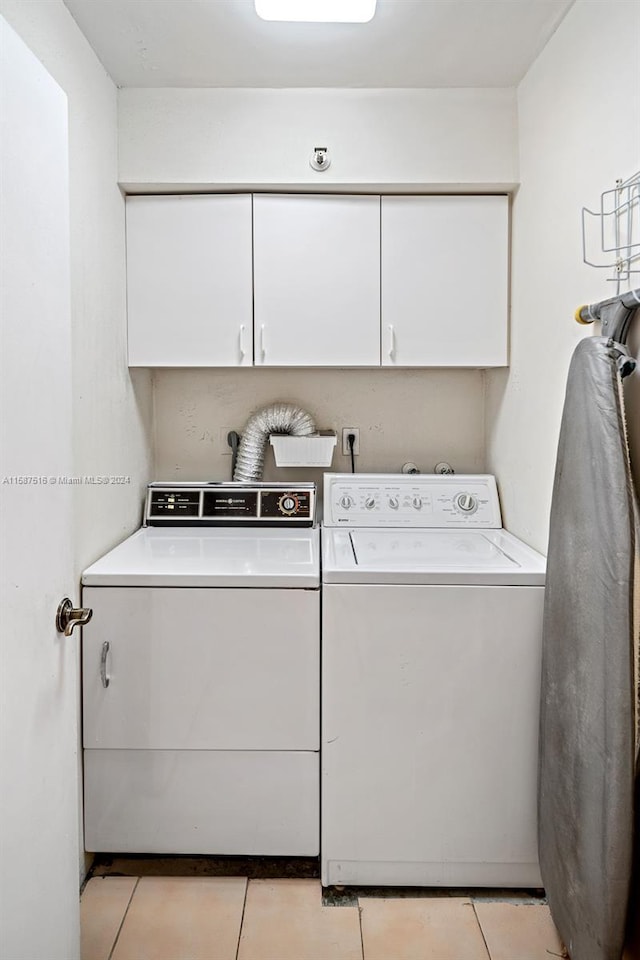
(346, 452)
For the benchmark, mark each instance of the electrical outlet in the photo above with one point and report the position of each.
(346, 450)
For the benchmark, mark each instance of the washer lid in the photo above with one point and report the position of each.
(429, 556)
(211, 557)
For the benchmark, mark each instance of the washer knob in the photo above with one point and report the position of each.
(417, 503)
(466, 502)
(394, 503)
(346, 502)
(370, 503)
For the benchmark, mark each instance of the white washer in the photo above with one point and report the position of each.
(431, 645)
(201, 676)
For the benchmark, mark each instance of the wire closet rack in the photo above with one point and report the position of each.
(611, 235)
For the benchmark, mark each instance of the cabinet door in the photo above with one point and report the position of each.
(444, 281)
(201, 669)
(317, 280)
(189, 294)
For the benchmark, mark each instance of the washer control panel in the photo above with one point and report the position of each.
(400, 500)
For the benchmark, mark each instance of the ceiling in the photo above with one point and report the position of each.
(409, 43)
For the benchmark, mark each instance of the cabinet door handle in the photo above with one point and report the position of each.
(103, 665)
(262, 342)
(242, 350)
(392, 342)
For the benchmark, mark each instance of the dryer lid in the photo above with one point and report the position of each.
(211, 557)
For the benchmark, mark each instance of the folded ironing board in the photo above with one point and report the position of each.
(588, 743)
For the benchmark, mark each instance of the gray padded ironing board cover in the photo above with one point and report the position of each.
(588, 699)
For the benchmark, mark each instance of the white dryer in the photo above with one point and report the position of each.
(431, 644)
(201, 676)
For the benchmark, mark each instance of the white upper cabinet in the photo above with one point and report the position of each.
(189, 282)
(445, 281)
(317, 280)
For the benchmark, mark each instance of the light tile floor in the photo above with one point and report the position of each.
(232, 918)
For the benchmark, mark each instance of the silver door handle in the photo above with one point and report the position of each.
(242, 350)
(392, 341)
(262, 342)
(103, 665)
(69, 617)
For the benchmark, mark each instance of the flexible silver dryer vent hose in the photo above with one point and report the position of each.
(277, 418)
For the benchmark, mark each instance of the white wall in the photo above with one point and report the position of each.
(400, 140)
(403, 415)
(578, 110)
(111, 410)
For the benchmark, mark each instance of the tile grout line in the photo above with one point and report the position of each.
(484, 939)
(124, 917)
(361, 933)
(244, 907)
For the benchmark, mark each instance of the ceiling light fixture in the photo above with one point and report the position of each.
(317, 11)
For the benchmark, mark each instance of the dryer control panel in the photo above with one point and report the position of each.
(230, 504)
(400, 500)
